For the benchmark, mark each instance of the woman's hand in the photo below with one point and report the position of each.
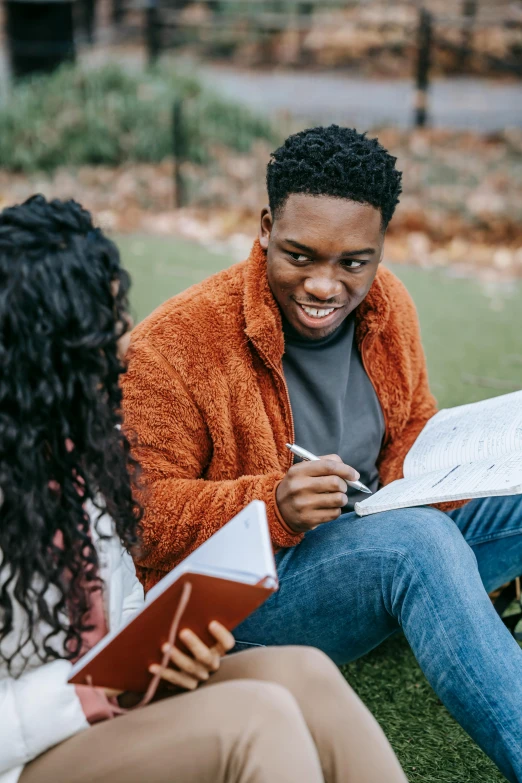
(111, 693)
(190, 670)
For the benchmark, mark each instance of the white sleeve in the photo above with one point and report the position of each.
(133, 596)
(38, 710)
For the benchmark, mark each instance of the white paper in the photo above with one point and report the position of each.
(487, 477)
(468, 433)
(240, 550)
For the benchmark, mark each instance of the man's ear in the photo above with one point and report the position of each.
(265, 227)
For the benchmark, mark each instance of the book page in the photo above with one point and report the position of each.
(243, 544)
(455, 436)
(241, 548)
(493, 476)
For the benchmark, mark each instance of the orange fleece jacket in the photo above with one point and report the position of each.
(206, 401)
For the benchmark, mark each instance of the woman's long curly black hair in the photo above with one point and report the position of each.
(63, 308)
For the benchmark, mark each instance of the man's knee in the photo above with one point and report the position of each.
(423, 532)
(431, 544)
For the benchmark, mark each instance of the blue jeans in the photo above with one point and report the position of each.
(353, 582)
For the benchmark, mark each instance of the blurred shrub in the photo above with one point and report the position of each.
(110, 116)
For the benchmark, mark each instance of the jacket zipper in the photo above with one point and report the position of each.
(363, 357)
(289, 409)
(269, 363)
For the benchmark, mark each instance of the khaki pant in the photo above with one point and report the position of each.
(270, 715)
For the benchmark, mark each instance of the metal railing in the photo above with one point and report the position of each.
(168, 25)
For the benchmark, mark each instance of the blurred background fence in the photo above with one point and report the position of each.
(387, 38)
(467, 36)
(266, 68)
(391, 38)
(196, 127)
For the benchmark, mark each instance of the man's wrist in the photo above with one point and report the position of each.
(284, 524)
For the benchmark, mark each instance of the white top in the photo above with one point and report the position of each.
(38, 709)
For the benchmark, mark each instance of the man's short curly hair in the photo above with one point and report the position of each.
(337, 162)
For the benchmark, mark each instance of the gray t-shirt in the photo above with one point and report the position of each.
(334, 404)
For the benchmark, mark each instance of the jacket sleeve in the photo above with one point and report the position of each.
(171, 441)
(39, 710)
(423, 407)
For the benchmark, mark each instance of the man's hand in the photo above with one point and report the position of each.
(312, 493)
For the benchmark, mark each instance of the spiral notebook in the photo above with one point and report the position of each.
(231, 575)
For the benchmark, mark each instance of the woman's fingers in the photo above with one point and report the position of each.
(111, 693)
(196, 667)
(175, 677)
(185, 663)
(224, 639)
(203, 654)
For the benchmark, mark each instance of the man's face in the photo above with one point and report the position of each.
(322, 257)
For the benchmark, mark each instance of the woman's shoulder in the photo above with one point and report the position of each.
(123, 591)
(112, 555)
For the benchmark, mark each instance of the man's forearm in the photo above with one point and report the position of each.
(180, 514)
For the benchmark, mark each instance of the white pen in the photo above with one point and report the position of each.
(309, 457)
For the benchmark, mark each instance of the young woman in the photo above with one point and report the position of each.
(66, 509)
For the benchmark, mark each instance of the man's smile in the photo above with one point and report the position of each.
(317, 316)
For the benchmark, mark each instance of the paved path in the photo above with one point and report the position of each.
(328, 97)
(325, 97)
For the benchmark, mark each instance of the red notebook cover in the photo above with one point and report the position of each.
(123, 663)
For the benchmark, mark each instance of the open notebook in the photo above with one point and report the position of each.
(231, 574)
(467, 452)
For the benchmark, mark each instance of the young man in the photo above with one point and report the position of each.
(311, 341)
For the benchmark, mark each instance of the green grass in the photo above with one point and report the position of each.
(431, 746)
(161, 268)
(465, 331)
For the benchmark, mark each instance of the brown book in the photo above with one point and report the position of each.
(230, 575)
